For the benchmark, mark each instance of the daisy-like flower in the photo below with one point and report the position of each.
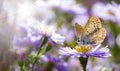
(35, 32)
(85, 51)
(107, 12)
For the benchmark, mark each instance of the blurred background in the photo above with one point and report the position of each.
(62, 14)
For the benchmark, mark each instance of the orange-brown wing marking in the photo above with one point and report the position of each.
(78, 30)
(92, 24)
(98, 37)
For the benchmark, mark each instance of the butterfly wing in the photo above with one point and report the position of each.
(78, 30)
(92, 24)
(98, 37)
(93, 29)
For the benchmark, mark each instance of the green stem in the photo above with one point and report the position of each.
(43, 41)
(83, 62)
(22, 66)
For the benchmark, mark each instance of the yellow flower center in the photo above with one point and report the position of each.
(82, 48)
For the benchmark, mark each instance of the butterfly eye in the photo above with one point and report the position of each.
(83, 41)
(78, 40)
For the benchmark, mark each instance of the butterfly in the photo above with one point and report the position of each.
(92, 33)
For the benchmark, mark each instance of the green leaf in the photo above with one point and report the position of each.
(83, 62)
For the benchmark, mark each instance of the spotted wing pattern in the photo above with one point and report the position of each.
(92, 24)
(98, 37)
(93, 31)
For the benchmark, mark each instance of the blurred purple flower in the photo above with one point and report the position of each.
(81, 19)
(75, 9)
(68, 33)
(110, 39)
(34, 33)
(71, 7)
(59, 65)
(52, 3)
(79, 11)
(80, 14)
(63, 5)
(84, 51)
(107, 12)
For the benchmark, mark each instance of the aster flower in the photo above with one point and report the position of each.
(85, 51)
(35, 32)
(55, 61)
(107, 12)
